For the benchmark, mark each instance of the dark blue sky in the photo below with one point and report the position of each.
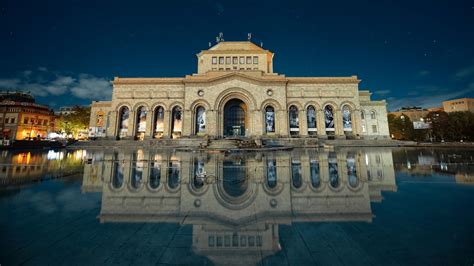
(408, 52)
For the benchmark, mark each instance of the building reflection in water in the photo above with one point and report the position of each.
(236, 202)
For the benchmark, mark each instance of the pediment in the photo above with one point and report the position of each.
(251, 77)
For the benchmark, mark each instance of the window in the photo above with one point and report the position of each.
(227, 68)
(200, 120)
(6, 120)
(311, 120)
(25, 120)
(372, 115)
(255, 59)
(234, 60)
(227, 60)
(249, 60)
(269, 119)
(214, 60)
(221, 60)
(362, 115)
(234, 68)
(374, 129)
(293, 120)
(12, 120)
(220, 68)
(214, 68)
(242, 60)
(363, 128)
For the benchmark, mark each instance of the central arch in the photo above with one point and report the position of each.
(235, 118)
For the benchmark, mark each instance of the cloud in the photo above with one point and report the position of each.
(434, 99)
(93, 88)
(423, 73)
(382, 92)
(465, 72)
(43, 83)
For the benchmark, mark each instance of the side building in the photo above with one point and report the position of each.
(236, 94)
(21, 118)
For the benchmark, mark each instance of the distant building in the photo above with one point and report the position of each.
(416, 114)
(21, 118)
(459, 105)
(67, 110)
(435, 109)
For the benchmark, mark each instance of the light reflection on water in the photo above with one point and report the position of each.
(237, 204)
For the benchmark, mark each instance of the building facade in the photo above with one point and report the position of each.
(459, 105)
(235, 93)
(21, 118)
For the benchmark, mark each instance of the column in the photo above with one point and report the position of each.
(167, 124)
(187, 123)
(321, 124)
(111, 124)
(339, 131)
(303, 123)
(211, 123)
(283, 128)
(149, 125)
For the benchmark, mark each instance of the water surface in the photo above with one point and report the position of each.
(370, 206)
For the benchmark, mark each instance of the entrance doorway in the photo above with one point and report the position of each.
(234, 118)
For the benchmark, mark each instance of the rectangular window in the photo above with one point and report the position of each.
(220, 68)
(221, 60)
(12, 120)
(227, 68)
(235, 60)
(227, 60)
(249, 60)
(374, 129)
(235, 68)
(242, 60)
(255, 59)
(25, 120)
(214, 68)
(214, 60)
(6, 120)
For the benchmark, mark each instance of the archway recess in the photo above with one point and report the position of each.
(235, 118)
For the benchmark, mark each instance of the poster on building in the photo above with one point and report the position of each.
(160, 117)
(311, 118)
(100, 119)
(294, 122)
(124, 115)
(201, 120)
(329, 118)
(270, 120)
(346, 118)
(421, 125)
(142, 120)
(177, 120)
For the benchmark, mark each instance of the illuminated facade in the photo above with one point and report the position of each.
(235, 93)
(21, 118)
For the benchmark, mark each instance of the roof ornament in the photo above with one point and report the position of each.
(249, 36)
(220, 38)
(210, 44)
(261, 44)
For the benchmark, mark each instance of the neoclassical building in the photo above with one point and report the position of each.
(235, 93)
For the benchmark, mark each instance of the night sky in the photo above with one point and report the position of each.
(408, 52)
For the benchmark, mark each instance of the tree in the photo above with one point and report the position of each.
(401, 127)
(74, 122)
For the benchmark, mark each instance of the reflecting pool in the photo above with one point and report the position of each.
(354, 206)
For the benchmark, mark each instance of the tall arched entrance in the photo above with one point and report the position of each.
(235, 118)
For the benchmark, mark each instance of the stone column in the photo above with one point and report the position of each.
(167, 124)
(211, 123)
(303, 122)
(149, 125)
(187, 123)
(282, 116)
(320, 124)
(339, 131)
(131, 125)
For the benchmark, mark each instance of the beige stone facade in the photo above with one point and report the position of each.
(236, 93)
(459, 105)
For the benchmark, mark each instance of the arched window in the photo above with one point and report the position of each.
(333, 171)
(117, 173)
(199, 174)
(362, 115)
(141, 122)
(372, 115)
(296, 177)
(294, 121)
(346, 118)
(352, 171)
(311, 118)
(271, 173)
(314, 173)
(123, 121)
(174, 173)
(200, 120)
(269, 119)
(329, 117)
(137, 169)
(155, 171)
(177, 122)
(159, 122)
